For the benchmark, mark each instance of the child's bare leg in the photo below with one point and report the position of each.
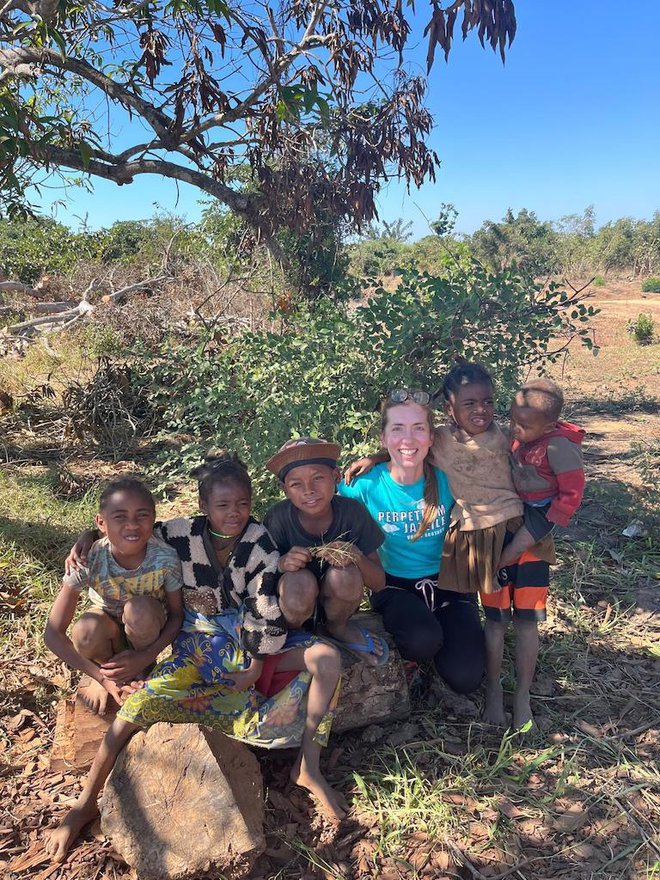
(521, 541)
(297, 594)
(341, 593)
(527, 651)
(98, 637)
(143, 619)
(324, 663)
(85, 809)
(494, 709)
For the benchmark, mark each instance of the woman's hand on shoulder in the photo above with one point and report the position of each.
(359, 467)
(295, 560)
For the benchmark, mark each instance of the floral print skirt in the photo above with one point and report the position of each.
(188, 687)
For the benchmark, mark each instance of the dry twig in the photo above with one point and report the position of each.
(337, 553)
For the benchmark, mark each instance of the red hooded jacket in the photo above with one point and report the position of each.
(551, 468)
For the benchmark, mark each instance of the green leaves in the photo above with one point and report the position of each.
(199, 8)
(31, 246)
(327, 368)
(59, 40)
(86, 152)
(299, 100)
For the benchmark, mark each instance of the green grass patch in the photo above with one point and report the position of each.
(642, 329)
(36, 532)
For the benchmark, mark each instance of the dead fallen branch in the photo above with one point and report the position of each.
(25, 328)
(19, 287)
(60, 316)
(52, 308)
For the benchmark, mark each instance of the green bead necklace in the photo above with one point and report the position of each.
(220, 535)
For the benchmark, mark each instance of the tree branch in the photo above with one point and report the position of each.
(283, 62)
(45, 8)
(19, 287)
(64, 314)
(124, 172)
(15, 59)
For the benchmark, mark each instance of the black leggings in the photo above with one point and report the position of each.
(451, 635)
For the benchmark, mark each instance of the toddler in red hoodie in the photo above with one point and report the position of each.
(548, 475)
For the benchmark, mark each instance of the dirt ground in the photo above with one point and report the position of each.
(442, 796)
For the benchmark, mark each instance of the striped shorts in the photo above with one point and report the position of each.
(523, 593)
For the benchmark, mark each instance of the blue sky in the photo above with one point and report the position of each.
(571, 119)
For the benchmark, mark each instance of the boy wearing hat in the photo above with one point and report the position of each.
(313, 515)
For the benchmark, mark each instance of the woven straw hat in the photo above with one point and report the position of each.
(303, 450)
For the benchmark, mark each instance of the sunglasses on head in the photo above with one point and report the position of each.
(400, 395)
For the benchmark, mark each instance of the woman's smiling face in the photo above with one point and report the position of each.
(407, 435)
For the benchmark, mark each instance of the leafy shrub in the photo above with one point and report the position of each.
(642, 329)
(253, 391)
(30, 248)
(598, 281)
(651, 285)
(98, 340)
(418, 331)
(326, 370)
(123, 241)
(378, 257)
(144, 243)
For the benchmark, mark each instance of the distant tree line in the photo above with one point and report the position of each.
(571, 246)
(331, 264)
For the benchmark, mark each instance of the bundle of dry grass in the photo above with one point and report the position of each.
(337, 553)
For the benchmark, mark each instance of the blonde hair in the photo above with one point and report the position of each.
(431, 495)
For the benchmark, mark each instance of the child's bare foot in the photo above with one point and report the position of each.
(369, 647)
(94, 696)
(59, 840)
(494, 709)
(522, 711)
(333, 803)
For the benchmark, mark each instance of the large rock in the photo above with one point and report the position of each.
(371, 694)
(184, 799)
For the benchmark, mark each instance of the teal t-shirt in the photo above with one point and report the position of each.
(398, 510)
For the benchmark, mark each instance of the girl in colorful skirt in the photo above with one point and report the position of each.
(233, 667)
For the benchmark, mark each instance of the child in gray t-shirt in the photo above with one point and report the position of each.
(134, 584)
